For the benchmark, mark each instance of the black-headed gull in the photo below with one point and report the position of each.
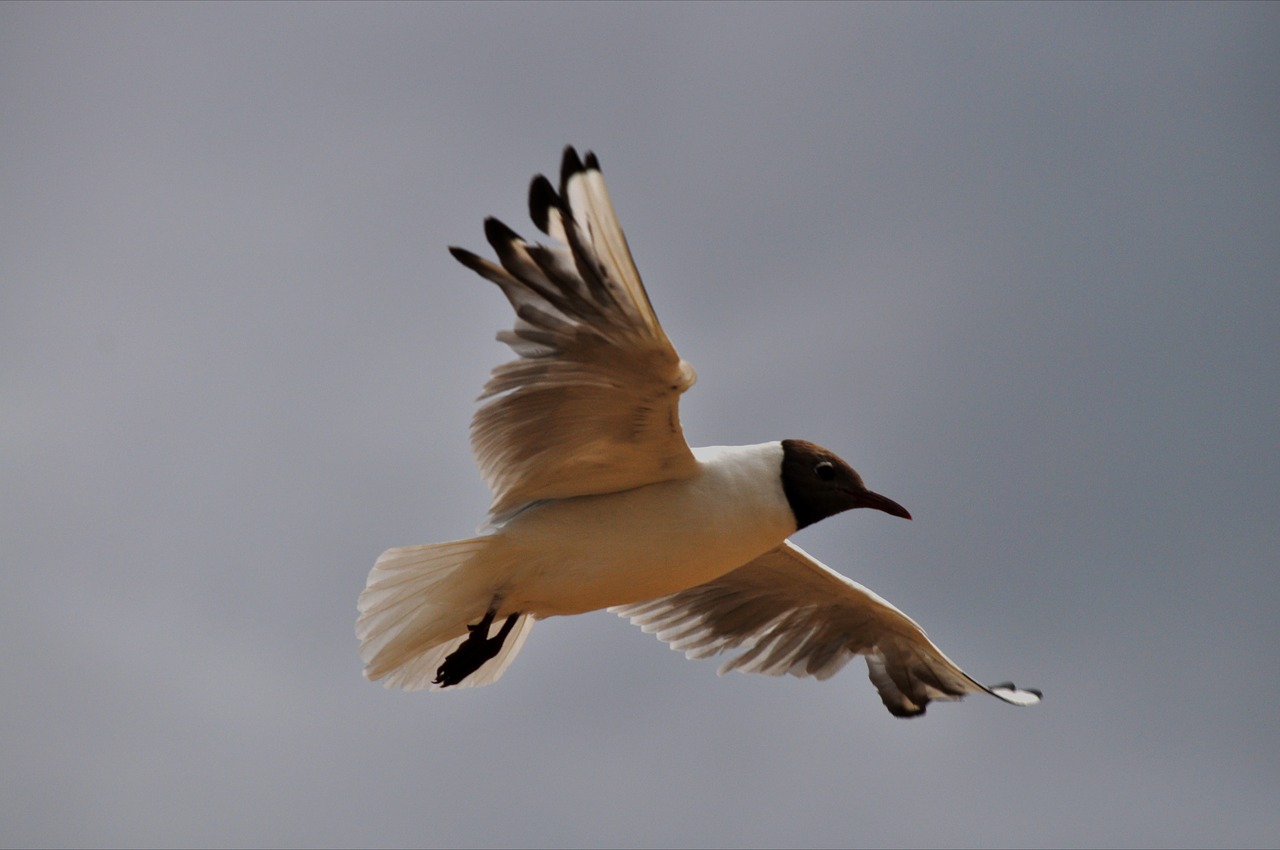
(598, 501)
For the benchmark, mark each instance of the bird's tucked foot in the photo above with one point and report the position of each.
(473, 652)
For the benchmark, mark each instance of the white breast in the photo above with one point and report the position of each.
(574, 555)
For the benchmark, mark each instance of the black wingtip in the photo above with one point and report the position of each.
(905, 712)
(498, 234)
(591, 162)
(1010, 686)
(542, 199)
(569, 165)
(1012, 694)
(468, 259)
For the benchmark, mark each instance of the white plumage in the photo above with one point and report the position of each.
(598, 501)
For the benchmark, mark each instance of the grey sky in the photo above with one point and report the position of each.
(1017, 263)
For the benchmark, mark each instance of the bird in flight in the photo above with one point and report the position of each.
(598, 501)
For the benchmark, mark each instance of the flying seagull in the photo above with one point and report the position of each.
(598, 501)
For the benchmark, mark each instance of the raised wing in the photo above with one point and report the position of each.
(591, 403)
(796, 616)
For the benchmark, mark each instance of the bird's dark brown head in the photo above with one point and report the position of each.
(819, 484)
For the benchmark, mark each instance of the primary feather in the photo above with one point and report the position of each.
(591, 405)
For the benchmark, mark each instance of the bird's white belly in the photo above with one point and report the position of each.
(575, 555)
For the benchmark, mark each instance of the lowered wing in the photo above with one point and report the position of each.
(794, 615)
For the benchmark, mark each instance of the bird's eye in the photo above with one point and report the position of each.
(826, 470)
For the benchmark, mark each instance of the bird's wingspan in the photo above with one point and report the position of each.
(591, 403)
(795, 615)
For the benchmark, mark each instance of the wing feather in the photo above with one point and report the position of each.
(791, 614)
(591, 404)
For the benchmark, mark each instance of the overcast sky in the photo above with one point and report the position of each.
(1019, 264)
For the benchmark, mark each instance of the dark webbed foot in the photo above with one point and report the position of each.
(473, 652)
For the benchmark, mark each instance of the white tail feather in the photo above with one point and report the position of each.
(415, 609)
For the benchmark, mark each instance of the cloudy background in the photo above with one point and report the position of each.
(1018, 263)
